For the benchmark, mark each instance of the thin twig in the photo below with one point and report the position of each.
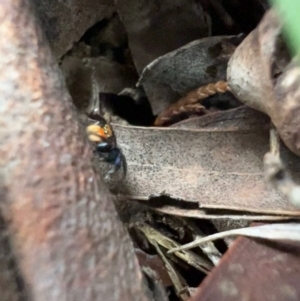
(289, 231)
(208, 248)
(190, 99)
(202, 240)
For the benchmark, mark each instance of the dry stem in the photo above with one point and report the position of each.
(186, 104)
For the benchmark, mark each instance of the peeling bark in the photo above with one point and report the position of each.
(63, 226)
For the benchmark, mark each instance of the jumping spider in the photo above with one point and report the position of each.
(102, 135)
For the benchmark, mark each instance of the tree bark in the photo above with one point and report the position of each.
(63, 227)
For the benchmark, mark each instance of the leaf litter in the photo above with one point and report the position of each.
(211, 167)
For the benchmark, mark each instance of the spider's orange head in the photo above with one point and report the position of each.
(97, 133)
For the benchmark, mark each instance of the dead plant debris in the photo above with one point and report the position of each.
(199, 96)
(188, 104)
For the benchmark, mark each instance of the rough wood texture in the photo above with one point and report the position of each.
(64, 229)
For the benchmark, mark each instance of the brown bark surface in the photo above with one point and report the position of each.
(65, 232)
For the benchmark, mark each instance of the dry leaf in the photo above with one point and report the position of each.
(152, 31)
(219, 216)
(216, 169)
(151, 28)
(252, 270)
(241, 118)
(179, 282)
(154, 236)
(196, 64)
(259, 75)
(64, 22)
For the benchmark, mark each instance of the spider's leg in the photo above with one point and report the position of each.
(115, 158)
(93, 110)
(101, 156)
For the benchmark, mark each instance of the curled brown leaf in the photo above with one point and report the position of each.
(260, 75)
